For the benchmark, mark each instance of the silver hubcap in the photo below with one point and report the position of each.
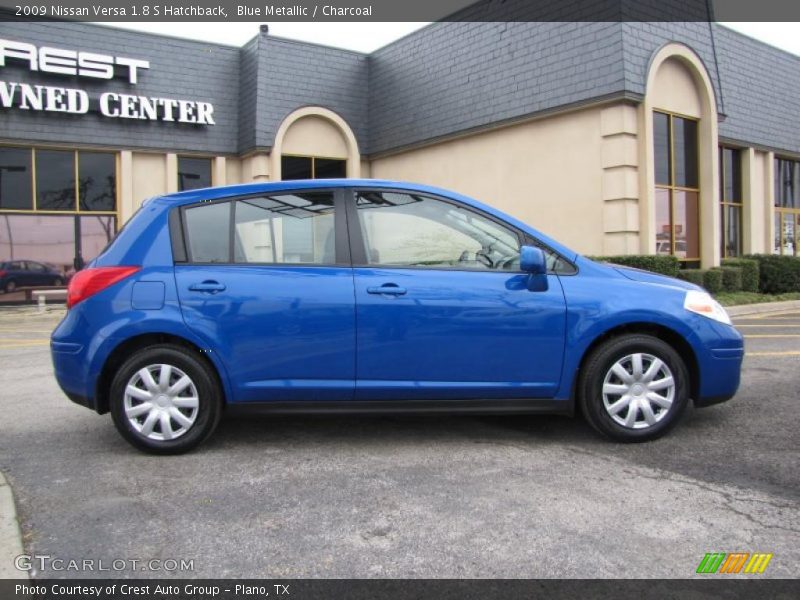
(638, 390)
(161, 402)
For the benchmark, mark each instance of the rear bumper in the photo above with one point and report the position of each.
(71, 369)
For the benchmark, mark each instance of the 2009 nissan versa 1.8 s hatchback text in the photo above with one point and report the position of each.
(374, 296)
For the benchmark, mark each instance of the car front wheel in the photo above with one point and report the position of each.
(634, 388)
(165, 400)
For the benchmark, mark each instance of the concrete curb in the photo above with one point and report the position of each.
(763, 308)
(10, 537)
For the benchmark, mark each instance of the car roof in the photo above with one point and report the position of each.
(261, 187)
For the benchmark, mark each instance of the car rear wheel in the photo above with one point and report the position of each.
(11, 286)
(165, 400)
(634, 388)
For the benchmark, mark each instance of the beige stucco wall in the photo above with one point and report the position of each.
(674, 90)
(149, 176)
(315, 136)
(546, 172)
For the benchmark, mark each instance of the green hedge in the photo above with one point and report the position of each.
(666, 265)
(712, 280)
(777, 274)
(694, 276)
(731, 279)
(749, 269)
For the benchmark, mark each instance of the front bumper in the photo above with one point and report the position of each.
(720, 367)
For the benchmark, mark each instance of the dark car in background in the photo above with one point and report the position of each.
(26, 273)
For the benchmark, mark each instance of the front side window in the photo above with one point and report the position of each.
(730, 193)
(193, 173)
(787, 207)
(288, 228)
(677, 195)
(410, 230)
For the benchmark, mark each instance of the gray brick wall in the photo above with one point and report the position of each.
(249, 94)
(761, 85)
(457, 76)
(179, 69)
(294, 74)
(444, 79)
(642, 40)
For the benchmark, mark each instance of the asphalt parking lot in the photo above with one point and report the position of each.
(410, 497)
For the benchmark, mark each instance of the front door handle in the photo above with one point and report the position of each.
(389, 289)
(208, 286)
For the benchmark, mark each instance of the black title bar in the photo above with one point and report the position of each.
(395, 589)
(265, 11)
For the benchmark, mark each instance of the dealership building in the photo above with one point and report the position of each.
(615, 138)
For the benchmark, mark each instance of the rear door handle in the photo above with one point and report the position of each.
(389, 289)
(208, 286)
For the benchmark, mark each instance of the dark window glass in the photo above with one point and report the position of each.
(296, 167)
(411, 230)
(730, 161)
(97, 180)
(208, 232)
(795, 198)
(687, 225)
(55, 180)
(663, 222)
(292, 228)
(662, 148)
(35, 267)
(787, 183)
(685, 146)
(330, 168)
(16, 189)
(96, 233)
(193, 173)
(48, 239)
(733, 231)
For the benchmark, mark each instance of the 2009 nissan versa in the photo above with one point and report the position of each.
(375, 296)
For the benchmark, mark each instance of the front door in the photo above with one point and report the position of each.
(268, 286)
(442, 308)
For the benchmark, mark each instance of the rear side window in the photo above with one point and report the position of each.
(281, 229)
(288, 228)
(208, 231)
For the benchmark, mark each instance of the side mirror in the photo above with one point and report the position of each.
(532, 260)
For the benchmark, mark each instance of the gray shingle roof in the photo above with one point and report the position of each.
(445, 79)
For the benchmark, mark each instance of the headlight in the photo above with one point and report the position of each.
(703, 304)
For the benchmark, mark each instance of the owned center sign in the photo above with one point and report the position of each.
(58, 61)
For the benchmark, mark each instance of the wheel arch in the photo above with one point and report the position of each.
(662, 332)
(129, 346)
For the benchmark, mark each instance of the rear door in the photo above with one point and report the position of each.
(267, 283)
(442, 308)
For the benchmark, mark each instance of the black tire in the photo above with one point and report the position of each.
(209, 395)
(58, 281)
(593, 374)
(11, 286)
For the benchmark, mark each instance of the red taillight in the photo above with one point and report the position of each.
(2, 273)
(88, 282)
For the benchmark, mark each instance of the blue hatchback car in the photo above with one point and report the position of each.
(375, 296)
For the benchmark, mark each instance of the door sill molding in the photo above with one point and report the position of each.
(378, 407)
